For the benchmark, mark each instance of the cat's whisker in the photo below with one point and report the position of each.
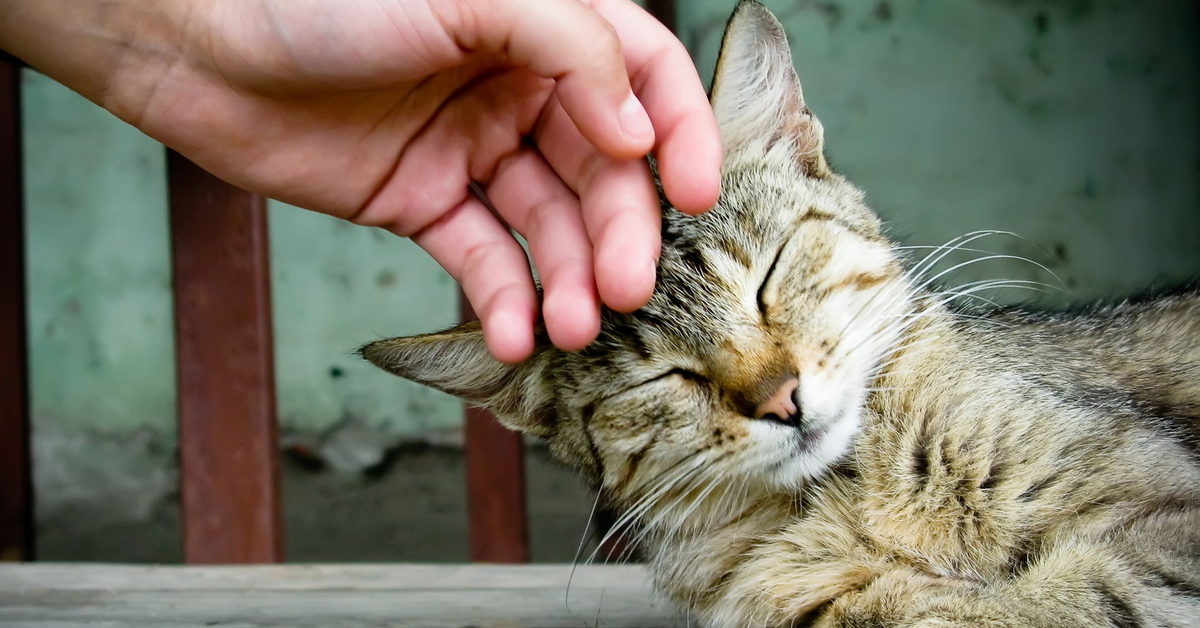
(681, 520)
(655, 488)
(1001, 283)
(900, 322)
(868, 306)
(900, 297)
(696, 494)
(578, 552)
(652, 486)
(952, 245)
(914, 247)
(920, 269)
(941, 250)
(651, 526)
(974, 287)
(684, 519)
(946, 297)
(900, 344)
(620, 526)
(997, 256)
(635, 512)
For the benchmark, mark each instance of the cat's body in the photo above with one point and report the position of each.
(980, 491)
(798, 431)
(1145, 348)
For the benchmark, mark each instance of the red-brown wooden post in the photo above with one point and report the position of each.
(229, 464)
(16, 492)
(664, 10)
(499, 525)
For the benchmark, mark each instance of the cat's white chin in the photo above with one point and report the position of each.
(805, 454)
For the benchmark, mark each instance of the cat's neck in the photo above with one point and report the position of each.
(934, 357)
(691, 545)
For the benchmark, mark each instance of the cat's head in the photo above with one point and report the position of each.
(751, 363)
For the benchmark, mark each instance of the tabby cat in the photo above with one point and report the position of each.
(798, 431)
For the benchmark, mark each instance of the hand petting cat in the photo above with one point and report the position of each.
(384, 113)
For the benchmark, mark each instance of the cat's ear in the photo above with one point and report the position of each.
(756, 94)
(457, 362)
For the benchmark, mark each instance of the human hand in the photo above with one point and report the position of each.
(383, 113)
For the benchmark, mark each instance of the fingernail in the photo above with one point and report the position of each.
(634, 120)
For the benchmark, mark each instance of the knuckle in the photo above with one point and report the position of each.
(475, 259)
(603, 48)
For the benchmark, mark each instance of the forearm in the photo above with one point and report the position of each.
(113, 52)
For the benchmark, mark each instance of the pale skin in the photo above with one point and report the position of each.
(383, 113)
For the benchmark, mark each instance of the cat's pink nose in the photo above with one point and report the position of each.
(783, 405)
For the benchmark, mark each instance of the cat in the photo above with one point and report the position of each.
(798, 431)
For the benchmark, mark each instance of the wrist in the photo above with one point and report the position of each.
(113, 52)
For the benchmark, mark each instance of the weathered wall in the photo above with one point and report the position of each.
(1072, 123)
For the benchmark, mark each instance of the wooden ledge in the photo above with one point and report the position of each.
(397, 596)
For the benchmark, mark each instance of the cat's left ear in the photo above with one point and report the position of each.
(456, 361)
(756, 94)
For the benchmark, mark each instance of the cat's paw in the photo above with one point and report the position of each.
(909, 598)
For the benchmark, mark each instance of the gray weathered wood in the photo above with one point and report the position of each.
(397, 596)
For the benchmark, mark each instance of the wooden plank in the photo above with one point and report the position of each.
(495, 461)
(229, 469)
(68, 596)
(316, 576)
(16, 492)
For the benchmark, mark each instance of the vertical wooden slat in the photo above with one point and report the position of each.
(664, 10)
(229, 471)
(499, 524)
(16, 491)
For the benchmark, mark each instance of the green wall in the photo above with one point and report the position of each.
(1070, 123)
(1073, 124)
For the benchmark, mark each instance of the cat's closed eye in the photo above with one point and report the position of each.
(677, 374)
(761, 296)
(687, 375)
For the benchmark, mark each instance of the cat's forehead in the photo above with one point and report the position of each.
(757, 211)
(713, 266)
(710, 269)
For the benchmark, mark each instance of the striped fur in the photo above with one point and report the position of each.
(949, 469)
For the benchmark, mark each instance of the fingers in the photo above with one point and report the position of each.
(620, 210)
(689, 145)
(492, 268)
(531, 198)
(566, 41)
(477, 136)
(463, 142)
(427, 198)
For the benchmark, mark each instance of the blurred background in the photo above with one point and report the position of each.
(1072, 123)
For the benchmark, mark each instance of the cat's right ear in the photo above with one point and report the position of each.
(756, 94)
(456, 361)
